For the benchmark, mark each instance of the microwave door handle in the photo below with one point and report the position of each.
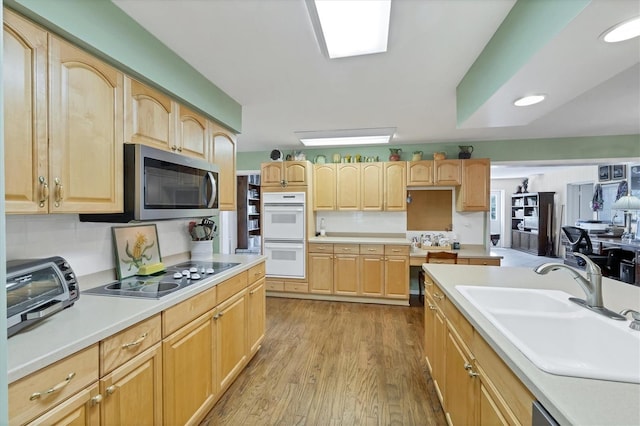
(212, 181)
(44, 311)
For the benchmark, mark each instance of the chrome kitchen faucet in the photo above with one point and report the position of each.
(592, 285)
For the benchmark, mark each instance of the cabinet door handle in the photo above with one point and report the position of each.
(467, 366)
(96, 400)
(433, 308)
(473, 373)
(59, 191)
(44, 190)
(135, 342)
(110, 390)
(252, 292)
(54, 389)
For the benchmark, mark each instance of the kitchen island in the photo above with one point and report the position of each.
(570, 400)
(137, 348)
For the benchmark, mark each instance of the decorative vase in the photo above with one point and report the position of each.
(395, 154)
(465, 151)
(417, 156)
(439, 155)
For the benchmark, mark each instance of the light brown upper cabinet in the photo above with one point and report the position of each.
(348, 186)
(324, 187)
(64, 156)
(150, 116)
(285, 173)
(395, 186)
(193, 139)
(420, 173)
(86, 132)
(24, 87)
(224, 156)
(372, 189)
(447, 172)
(473, 194)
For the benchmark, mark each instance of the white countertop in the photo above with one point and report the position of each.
(94, 317)
(570, 400)
(329, 239)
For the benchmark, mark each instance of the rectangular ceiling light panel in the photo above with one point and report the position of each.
(347, 137)
(353, 27)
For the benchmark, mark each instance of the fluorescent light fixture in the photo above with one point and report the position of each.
(623, 31)
(347, 137)
(350, 27)
(529, 100)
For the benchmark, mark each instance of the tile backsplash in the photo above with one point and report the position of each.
(87, 246)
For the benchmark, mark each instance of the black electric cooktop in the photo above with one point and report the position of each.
(173, 279)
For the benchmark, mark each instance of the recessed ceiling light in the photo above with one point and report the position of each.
(347, 137)
(351, 27)
(623, 31)
(529, 100)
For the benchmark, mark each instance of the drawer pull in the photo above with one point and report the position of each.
(467, 366)
(438, 296)
(473, 373)
(433, 308)
(110, 390)
(135, 343)
(371, 249)
(395, 250)
(56, 388)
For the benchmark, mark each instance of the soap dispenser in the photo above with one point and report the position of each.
(323, 231)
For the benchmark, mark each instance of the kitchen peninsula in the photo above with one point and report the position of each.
(498, 371)
(152, 361)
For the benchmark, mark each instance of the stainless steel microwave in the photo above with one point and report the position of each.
(163, 185)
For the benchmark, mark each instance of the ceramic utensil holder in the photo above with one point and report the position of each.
(201, 250)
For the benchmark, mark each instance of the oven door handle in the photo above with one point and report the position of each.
(44, 311)
(214, 193)
(274, 208)
(283, 246)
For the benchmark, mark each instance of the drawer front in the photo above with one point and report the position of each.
(346, 248)
(484, 261)
(275, 285)
(256, 272)
(463, 261)
(320, 248)
(228, 288)
(372, 249)
(28, 398)
(396, 250)
(121, 347)
(444, 261)
(296, 287)
(183, 313)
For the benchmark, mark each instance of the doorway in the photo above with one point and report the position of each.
(497, 225)
(579, 198)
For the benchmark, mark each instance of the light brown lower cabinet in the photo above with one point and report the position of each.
(168, 369)
(189, 373)
(366, 270)
(474, 385)
(132, 393)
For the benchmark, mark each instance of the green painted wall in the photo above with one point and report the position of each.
(590, 148)
(529, 25)
(102, 28)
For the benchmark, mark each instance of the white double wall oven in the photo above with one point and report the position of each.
(283, 233)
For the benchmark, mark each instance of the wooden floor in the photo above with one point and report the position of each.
(331, 363)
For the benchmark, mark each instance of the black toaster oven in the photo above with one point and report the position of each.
(37, 289)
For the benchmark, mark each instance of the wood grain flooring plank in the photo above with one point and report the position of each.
(333, 363)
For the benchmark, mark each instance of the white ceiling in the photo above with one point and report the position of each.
(263, 53)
